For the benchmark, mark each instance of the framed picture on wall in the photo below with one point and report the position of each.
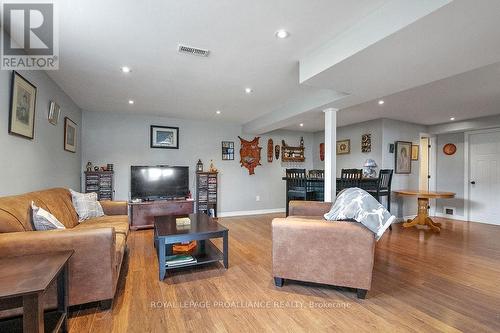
(54, 112)
(343, 147)
(22, 107)
(414, 152)
(165, 137)
(70, 135)
(227, 150)
(403, 157)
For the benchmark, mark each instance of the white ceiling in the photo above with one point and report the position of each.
(443, 64)
(98, 37)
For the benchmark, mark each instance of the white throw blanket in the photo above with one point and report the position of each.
(359, 205)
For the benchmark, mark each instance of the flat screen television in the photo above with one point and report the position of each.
(159, 182)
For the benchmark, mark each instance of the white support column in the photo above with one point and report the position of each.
(330, 154)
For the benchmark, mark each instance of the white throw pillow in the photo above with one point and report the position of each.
(43, 220)
(86, 205)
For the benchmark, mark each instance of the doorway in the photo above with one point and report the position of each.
(483, 176)
(427, 162)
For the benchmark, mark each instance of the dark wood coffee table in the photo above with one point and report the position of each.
(202, 229)
(29, 277)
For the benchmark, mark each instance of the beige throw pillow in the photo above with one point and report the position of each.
(86, 205)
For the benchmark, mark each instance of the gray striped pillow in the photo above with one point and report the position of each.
(86, 205)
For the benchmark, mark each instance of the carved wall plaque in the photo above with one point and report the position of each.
(250, 154)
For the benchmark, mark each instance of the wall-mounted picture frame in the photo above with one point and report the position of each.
(366, 143)
(54, 112)
(227, 150)
(343, 147)
(414, 152)
(403, 157)
(165, 137)
(70, 135)
(22, 107)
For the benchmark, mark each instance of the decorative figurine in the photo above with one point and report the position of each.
(96, 168)
(212, 167)
(89, 166)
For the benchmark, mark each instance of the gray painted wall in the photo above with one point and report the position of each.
(29, 165)
(450, 172)
(356, 158)
(124, 141)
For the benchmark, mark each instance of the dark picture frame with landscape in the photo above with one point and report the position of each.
(22, 107)
(165, 137)
(70, 135)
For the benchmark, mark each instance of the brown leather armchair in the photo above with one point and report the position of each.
(306, 247)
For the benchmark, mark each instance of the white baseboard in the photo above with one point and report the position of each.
(405, 218)
(453, 217)
(252, 212)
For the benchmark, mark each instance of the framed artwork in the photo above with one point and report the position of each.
(70, 135)
(22, 107)
(227, 150)
(164, 137)
(54, 112)
(414, 152)
(343, 147)
(403, 157)
(366, 143)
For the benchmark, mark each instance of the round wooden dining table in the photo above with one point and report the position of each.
(423, 197)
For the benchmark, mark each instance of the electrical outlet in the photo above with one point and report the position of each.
(257, 198)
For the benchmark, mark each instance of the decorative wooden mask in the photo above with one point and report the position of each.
(250, 154)
(277, 152)
(270, 148)
(322, 151)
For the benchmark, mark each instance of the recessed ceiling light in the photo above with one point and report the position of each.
(282, 34)
(301, 125)
(126, 69)
(248, 90)
(452, 118)
(130, 101)
(381, 102)
(218, 111)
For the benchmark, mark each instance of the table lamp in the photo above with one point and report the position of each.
(369, 169)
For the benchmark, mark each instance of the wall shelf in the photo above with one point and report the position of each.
(292, 154)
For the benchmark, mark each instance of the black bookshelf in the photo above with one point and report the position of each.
(206, 192)
(100, 182)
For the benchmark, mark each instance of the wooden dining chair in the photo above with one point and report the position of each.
(297, 186)
(349, 178)
(383, 187)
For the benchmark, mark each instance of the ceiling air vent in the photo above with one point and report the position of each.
(193, 50)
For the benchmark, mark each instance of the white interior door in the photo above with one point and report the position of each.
(484, 177)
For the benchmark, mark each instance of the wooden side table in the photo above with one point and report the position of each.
(423, 197)
(29, 277)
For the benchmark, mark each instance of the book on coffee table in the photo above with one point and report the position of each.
(179, 259)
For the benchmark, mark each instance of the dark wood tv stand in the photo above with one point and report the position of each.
(142, 213)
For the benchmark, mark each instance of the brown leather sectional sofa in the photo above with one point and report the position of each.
(99, 243)
(306, 247)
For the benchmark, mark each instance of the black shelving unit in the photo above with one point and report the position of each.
(100, 182)
(206, 192)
